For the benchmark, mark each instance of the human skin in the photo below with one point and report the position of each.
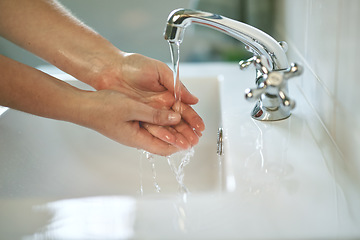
(134, 97)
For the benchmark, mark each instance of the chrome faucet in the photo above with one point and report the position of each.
(270, 60)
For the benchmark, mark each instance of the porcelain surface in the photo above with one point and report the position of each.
(62, 159)
(283, 180)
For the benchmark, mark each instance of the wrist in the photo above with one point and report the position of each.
(104, 67)
(81, 108)
(95, 64)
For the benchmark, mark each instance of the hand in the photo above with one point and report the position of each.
(118, 117)
(151, 82)
(89, 57)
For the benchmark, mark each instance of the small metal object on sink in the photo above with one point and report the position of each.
(220, 148)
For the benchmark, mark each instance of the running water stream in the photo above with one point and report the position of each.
(185, 156)
(177, 161)
(175, 58)
(177, 167)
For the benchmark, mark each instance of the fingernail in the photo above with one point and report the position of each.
(194, 140)
(169, 139)
(182, 144)
(174, 117)
(198, 133)
(200, 126)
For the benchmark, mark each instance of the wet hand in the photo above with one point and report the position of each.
(122, 119)
(151, 82)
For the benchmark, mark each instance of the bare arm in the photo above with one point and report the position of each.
(108, 112)
(29, 90)
(46, 29)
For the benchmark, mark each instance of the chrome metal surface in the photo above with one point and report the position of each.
(220, 148)
(272, 67)
(246, 63)
(256, 40)
(271, 94)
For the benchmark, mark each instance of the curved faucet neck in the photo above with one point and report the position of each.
(256, 40)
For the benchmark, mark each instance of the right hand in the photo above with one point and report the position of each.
(121, 118)
(151, 82)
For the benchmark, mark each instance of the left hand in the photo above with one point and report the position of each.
(151, 82)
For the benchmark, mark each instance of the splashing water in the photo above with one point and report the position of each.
(179, 170)
(150, 158)
(176, 162)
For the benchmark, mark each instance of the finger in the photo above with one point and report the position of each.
(181, 141)
(144, 113)
(167, 80)
(192, 118)
(199, 134)
(160, 132)
(146, 141)
(187, 97)
(187, 132)
(169, 135)
(135, 136)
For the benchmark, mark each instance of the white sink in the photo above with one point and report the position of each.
(43, 157)
(278, 180)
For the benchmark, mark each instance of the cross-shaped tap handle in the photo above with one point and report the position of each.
(273, 83)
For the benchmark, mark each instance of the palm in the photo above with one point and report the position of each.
(151, 82)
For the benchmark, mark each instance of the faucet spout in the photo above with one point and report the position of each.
(256, 40)
(271, 63)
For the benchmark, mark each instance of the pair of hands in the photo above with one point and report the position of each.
(135, 93)
(136, 97)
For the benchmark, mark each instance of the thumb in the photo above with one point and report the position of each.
(145, 113)
(187, 97)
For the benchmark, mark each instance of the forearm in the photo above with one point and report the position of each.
(30, 90)
(45, 28)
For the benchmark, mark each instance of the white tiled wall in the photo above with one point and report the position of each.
(324, 36)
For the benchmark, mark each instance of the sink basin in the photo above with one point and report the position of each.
(40, 156)
(275, 180)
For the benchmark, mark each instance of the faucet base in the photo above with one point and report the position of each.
(263, 113)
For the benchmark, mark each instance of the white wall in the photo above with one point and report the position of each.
(324, 36)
